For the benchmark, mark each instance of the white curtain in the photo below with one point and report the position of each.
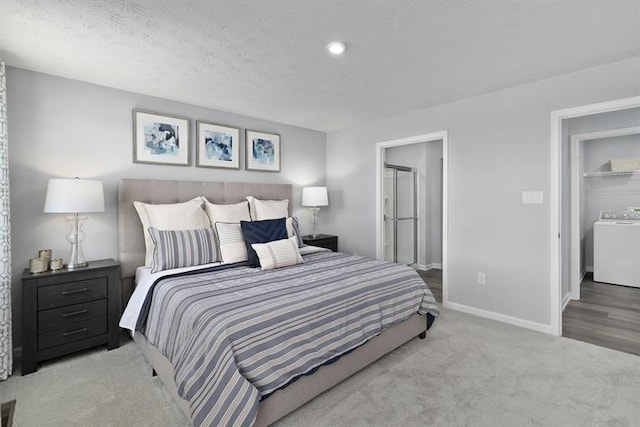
(6, 357)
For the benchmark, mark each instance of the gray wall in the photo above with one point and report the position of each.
(498, 147)
(65, 128)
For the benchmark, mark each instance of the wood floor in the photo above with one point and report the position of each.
(606, 315)
(433, 279)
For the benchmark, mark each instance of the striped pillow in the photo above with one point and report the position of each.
(231, 242)
(293, 229)
(182, 248)
(279, 253)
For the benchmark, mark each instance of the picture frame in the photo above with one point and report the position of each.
(160, 139)
(263, 151)
(217, 146)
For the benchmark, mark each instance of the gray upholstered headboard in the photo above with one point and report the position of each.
(131, 250)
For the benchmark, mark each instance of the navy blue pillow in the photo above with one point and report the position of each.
(263, 231)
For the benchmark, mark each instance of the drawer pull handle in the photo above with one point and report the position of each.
(75, 313)
(76, 331)
(75, 291)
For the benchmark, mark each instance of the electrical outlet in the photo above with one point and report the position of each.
(482, 279)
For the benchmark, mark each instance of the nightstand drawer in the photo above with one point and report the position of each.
(71, 314)
(71, 292)
(71, 332)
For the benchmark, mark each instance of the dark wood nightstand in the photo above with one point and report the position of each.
(322, 240)
(66, 311)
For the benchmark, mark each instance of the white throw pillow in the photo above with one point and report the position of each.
(231, 242)
(176, 216)
(293, 229)
(234, 212)
(268, 209)
(279, 253)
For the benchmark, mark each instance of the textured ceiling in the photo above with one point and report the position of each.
(267, 59)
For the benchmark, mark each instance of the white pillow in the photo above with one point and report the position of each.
(293, 229)
(268, 209)
(234, 212)
(231, 242)
(279, 253)
(176, 216)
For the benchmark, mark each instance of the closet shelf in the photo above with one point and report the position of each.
(611, 173)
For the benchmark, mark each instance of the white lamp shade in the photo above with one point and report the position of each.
(74, 196)
(315, 196)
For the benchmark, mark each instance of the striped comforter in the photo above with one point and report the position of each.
(235, 335)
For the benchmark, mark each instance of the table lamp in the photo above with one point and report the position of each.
(314, 197)
(74, 196)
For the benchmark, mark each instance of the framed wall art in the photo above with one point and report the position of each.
(160, 139)
(263, 151)
(217, 146)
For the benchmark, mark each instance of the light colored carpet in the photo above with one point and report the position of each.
(468, 372)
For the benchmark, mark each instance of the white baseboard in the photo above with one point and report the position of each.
(431, 266)
(539, 327)
(589, 268)
(565, 300)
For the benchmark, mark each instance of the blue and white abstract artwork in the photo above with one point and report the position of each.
(218, 145)
(161, 139)
(263, 151)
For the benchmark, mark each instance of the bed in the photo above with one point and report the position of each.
(310, 380)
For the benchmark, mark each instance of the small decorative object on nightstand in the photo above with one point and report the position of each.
(322, 240)
(66, 311)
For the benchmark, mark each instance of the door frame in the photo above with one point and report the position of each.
(557, 117)
(380, 150)
(577, 165)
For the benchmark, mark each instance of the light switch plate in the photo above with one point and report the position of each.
(532, 197)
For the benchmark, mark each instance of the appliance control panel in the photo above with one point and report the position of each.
(620, 215)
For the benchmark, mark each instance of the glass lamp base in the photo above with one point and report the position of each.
(75, 238)
(314, 211)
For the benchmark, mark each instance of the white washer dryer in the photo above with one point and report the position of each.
(616, 248)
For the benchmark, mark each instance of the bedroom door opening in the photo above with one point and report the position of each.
(400, 214)
(411, 203)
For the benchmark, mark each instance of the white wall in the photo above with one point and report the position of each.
(65, 128)
(499, 145)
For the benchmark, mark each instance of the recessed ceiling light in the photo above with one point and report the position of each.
(336, 48)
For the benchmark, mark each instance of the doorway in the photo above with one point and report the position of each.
(411, 200)
(565, 264)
